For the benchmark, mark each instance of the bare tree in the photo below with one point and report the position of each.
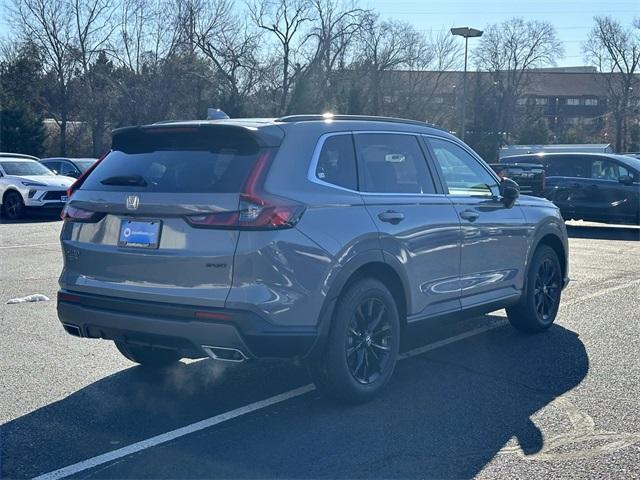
(92, 31)
(285, 19)
(335, 28)
(384, 46)
(429, 66)
(508, 51)
(615, 50)
(231, 46)
(49, 23)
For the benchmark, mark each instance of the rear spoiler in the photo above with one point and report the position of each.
(264, 136)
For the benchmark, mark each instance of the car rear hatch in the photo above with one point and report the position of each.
(157, 219)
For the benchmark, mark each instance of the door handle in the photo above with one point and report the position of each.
(594, 186)
(470, 215)
(391, 216)
(576, 185)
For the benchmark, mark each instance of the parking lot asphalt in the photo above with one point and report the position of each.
(477, 399)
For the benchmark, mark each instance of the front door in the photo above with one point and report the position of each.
(418, 226)
(494, 237)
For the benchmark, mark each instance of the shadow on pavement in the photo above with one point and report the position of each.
(33, 217)
(604, 232)
(446, 414)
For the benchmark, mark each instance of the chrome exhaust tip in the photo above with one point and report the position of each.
(72, 329)
(225, 354)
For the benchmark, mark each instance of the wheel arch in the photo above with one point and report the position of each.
(553, 241)
(369, 264)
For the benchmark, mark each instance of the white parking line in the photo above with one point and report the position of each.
(252, 407)
(223, 417)
(30, 246)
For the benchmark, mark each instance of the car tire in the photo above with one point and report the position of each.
(13, 206)
(538, 306)
(361, 350)
(147, 356)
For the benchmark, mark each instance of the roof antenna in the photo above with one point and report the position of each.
(216, 114)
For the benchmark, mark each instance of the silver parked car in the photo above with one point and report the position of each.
(304, 236)
(27, 184)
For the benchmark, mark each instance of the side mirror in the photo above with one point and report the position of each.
(626, 180)
(510, 191)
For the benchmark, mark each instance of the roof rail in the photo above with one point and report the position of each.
(371, 118)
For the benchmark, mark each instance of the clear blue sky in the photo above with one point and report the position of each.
(572, 18)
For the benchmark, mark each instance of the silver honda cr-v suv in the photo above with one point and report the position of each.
(312, 237)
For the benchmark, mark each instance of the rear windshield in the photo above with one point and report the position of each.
(198, 160)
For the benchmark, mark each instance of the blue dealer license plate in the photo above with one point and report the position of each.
(140, 233)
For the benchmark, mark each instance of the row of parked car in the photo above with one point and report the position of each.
(595, 187)
(585, 186)
(29, 183)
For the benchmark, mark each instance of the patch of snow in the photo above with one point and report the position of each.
(38, 297)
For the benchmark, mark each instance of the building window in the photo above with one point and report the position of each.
(438, 99)
(522, 101)
(592, 102)
(573, 101)
(541, 101)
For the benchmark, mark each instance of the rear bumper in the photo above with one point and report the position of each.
(177, 326)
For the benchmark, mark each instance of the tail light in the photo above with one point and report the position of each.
(80, 180)
(75, 214)
(256, 209)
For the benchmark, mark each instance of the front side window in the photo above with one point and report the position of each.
(337, 162)
(607, 170)
(393, 163)
(66, 168)
(462, 173)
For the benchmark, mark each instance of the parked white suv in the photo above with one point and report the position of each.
(26, 183)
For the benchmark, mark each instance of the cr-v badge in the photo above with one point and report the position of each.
(132, 202)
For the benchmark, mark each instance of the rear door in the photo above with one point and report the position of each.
(418, 225)
(567, 182)
(151, 203)
(494, 238)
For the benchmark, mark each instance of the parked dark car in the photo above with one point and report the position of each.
(69, 167)
(589, 186)
(531, 177)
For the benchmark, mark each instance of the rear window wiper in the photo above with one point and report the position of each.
(133, 180)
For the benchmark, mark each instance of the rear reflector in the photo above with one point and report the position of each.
(67, 297)
(212, 316)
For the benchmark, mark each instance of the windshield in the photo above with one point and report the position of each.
(25, 168)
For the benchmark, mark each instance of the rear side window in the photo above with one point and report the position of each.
(568, 167)
(393, 163)
(337, 162)
(198, 160)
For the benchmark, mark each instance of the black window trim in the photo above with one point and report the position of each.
(312, 173)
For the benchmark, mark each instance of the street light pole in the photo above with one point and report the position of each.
(467, 33)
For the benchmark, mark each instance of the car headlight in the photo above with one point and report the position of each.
(33, 184)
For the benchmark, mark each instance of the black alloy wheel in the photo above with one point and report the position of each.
(368, 342)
